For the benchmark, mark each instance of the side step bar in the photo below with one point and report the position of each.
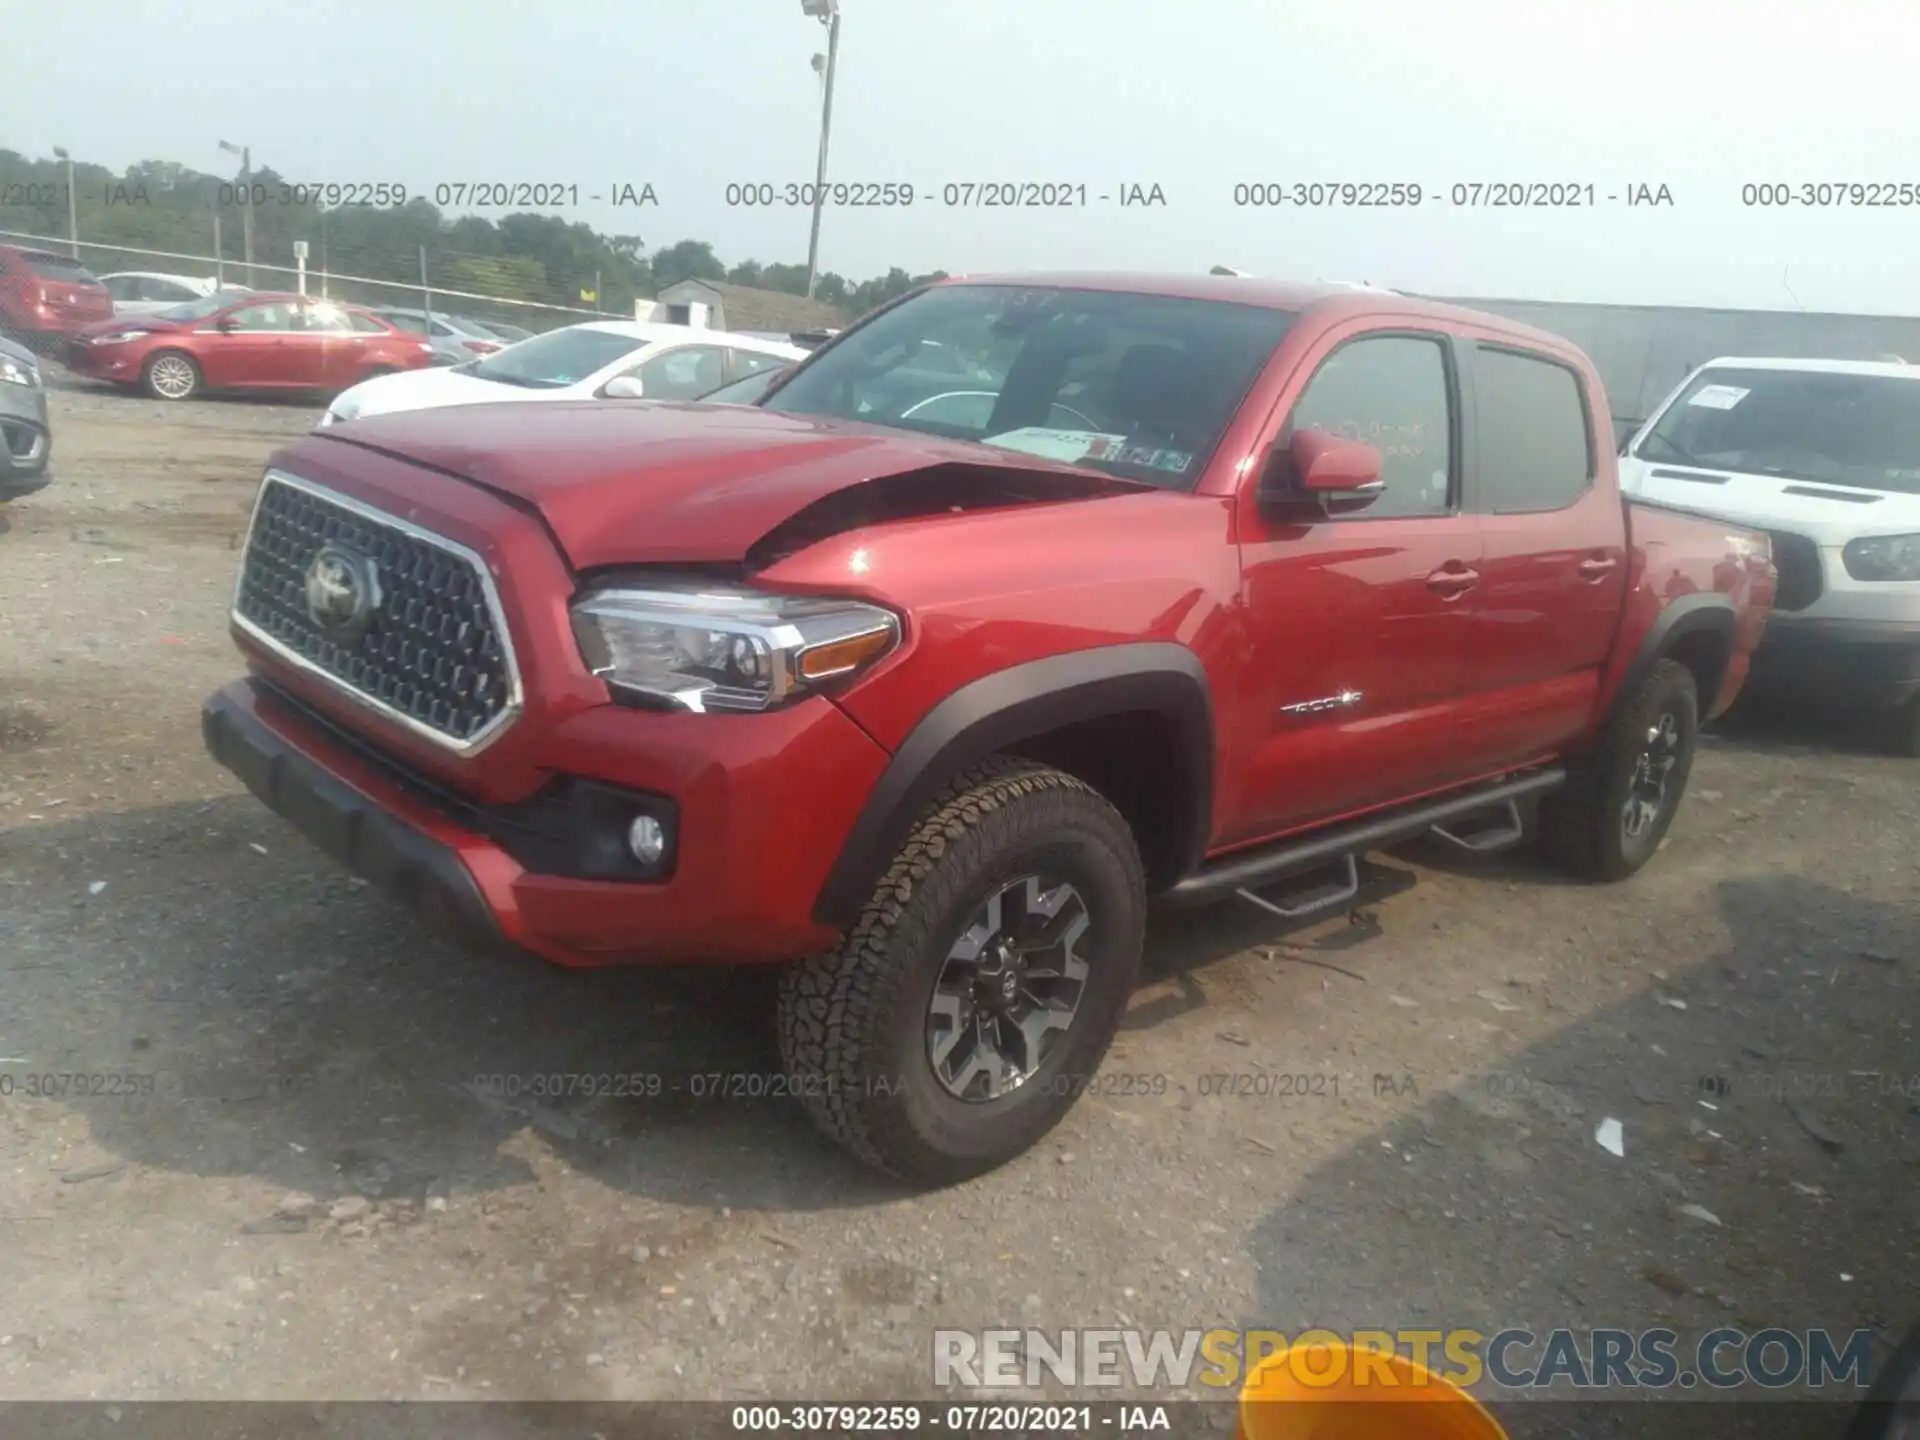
(1288, 857)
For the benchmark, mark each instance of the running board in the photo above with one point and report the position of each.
(1508, 833)
(1314, 899)
(1244, 872)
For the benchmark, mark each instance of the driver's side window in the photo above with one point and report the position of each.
(1390, 392)
(684, 373)
(252, 319)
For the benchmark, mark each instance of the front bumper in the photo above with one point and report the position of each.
(757, 829)
(1854, 663)
(117, 363)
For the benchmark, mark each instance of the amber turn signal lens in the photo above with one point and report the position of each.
(838, 657)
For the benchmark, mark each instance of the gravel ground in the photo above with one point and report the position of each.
(294, 1191)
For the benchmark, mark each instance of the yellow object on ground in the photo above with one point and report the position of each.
(1332, 1392)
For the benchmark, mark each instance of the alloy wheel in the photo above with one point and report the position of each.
(172, 376)
(1009, 989)
(1647, 793)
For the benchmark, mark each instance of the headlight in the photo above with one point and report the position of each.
(1883, 557)
(19, 372)
(723, 649)
(120, 338)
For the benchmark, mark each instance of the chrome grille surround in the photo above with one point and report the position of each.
(439, 661)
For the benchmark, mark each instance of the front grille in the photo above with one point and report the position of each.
(1798, 560)
(431, 651)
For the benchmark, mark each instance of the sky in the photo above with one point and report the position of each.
(1196, 97)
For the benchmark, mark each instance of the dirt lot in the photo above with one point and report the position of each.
(291, 1190)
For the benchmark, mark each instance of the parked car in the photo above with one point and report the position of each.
(259, 341)
(455, 341)
(746, 390)
(937, 706)
(511, 334)
(44, 297)
(26, 435)
(602, 359)
(1825, 456)
(144, 292)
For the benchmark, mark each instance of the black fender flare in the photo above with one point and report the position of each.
(1705, 612)
(1016, 704)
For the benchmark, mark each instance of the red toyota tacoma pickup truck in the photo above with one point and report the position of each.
(1020, 602)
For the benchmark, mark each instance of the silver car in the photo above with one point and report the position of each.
(145, 292)
(455, 341)
(26, 439)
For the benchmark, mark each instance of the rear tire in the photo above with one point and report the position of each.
(1619, 800)
(909, 1045)
(171, 375)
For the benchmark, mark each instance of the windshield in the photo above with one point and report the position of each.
(1859, 430)
(1140, 386)
(556, 359)
(59, 267)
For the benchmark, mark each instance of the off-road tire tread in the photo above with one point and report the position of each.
(1577, 821)
(830, 1003)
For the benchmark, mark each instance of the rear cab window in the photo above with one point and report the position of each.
(61, 268)
(1535, 449)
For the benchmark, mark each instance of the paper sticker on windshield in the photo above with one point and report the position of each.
(1718, 397)
(1146, 456)
(1068, 445)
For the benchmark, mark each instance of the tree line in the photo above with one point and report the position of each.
(166, 206)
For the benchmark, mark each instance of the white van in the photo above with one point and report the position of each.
(1824, 455)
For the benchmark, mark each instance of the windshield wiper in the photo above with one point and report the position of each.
(522, 381)
(1680, 456)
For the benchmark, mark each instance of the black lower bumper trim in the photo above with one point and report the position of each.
(392, 855)
(1846, 663)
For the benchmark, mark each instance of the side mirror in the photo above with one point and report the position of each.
(1322, 472)
(226, 326)
(624, 387)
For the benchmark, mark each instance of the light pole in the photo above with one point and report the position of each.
(246, 197)
(827, 12)
(73, 221)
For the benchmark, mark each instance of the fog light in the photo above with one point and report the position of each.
(647, 839)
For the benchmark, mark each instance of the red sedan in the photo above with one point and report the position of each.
(247, 340)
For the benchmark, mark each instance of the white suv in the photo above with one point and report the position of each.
(1825, 456)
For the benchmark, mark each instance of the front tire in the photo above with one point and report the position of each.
(978, 991)
(1620, 800)
(171, 375)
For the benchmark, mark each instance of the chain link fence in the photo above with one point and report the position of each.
(509, 288)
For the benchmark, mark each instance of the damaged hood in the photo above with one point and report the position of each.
(626, 482)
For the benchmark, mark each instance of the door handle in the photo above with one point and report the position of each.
(1598, 567)
(1449, 581)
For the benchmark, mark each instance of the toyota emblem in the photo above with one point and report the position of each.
(342, 592)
